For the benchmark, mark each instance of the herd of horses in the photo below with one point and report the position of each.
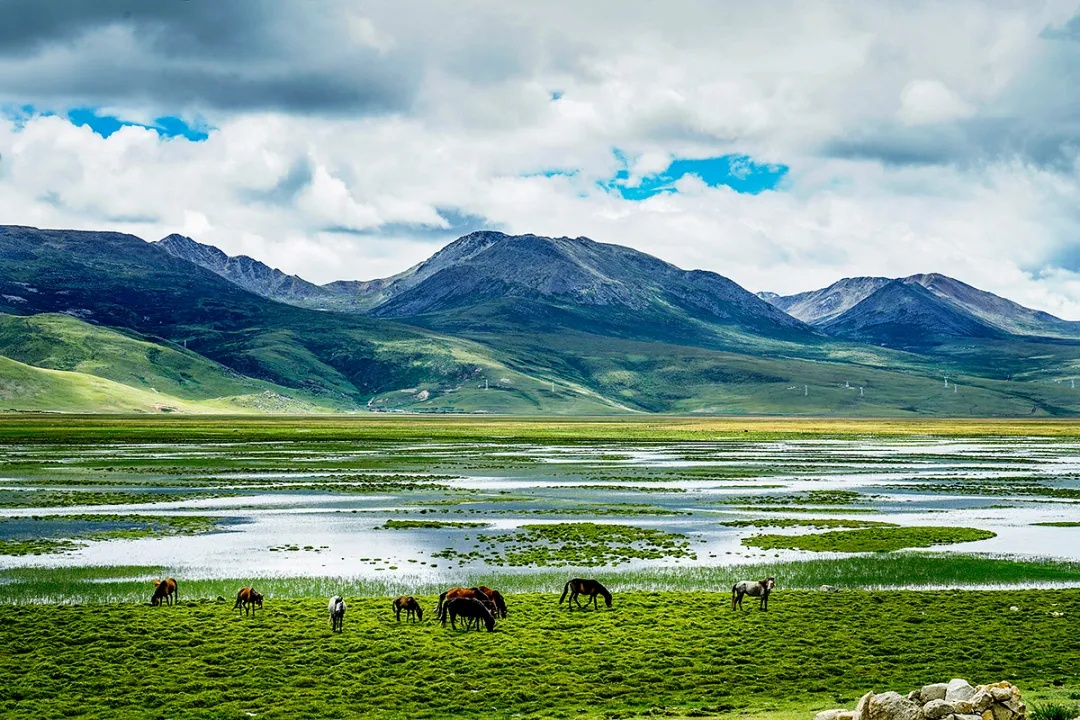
(473, 606)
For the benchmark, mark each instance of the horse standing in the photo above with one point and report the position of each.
(580, 586)
(412, 609)
(497, 600)
(164, 590)
(469, 609)
(248, 599)
(460, 592)
(753, 588)
(337, 613)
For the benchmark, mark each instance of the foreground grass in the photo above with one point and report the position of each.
(653, 653)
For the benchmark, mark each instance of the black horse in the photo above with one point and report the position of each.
(467, 609)
(579, 586)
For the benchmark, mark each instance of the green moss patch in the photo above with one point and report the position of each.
(582, 544)
(419, 524)
(877, 539)
(816, 523)
(72, 532)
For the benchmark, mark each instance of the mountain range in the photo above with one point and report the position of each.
(502, 323)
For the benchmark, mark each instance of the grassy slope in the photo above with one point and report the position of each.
(60, 342)
(657, 653)
(29, 388)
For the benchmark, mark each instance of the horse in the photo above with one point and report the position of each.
(164, 590)
(753, 588)
(579, 586)
(337, 613)
(412, 609)
(468, 608)
(496, 599)
(247, 599)
(460, 592)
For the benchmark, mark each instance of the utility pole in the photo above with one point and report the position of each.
(805, 390)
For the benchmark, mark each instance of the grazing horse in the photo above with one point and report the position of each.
(460, 592)
(248, 599)
(164, 590)
(753, 588)
(579, 586)
(412, 609)
(337, 613)
(469, 609)
(496, 599)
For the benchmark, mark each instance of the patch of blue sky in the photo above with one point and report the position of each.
(738, 172)
(168, 126)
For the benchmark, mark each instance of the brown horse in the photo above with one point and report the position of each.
(469, 609)
(164, 590)
(412, 609)
(247, 599)
(579, 586)
(497, 600)
(460, 592)
(758, 589)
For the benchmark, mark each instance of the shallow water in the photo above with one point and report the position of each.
(282, 501)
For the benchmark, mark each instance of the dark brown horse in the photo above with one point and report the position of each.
(758, 589)
(496, 599)
(579, 586)
(248, 599)
(468, 609)
(412, 609)
(164, 590)
(460, 592)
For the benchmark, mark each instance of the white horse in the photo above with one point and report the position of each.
(753, 588)
(337, 613)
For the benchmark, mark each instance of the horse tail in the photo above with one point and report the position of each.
(734, 589)
(441, 607)
(565, 590)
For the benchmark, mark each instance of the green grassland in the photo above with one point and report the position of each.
(70, 429)
(652, 654)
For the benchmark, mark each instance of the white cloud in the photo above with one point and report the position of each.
(925, 102)
(331, 194)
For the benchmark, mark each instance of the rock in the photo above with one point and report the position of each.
(829, 588)
(937, 709)
(937, 691)
(891, 706)
(981, 700)
(915, 696)
(860, 707)
(829, 714)
(961, 707)
(967, 716)
(1000, 712)
(1000, 692)
(847, 715)
(959, 689)
(1014, 608)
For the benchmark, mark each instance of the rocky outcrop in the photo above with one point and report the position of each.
(954, 700)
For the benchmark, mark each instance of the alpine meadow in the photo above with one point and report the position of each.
(539, 360)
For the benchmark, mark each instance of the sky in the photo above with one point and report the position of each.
(784, 145)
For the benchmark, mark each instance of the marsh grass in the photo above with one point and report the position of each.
(873, 539)
(110, 584)
(1054, 711)
(652, 654)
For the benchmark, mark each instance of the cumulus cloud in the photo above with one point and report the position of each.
(352, 139)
